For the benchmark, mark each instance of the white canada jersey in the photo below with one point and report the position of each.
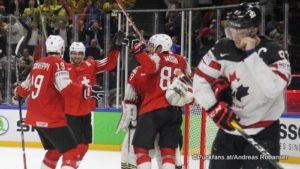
(258, 81)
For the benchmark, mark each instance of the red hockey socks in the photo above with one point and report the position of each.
(71, 158)
(83, 148)
(50, 159)
(143, 160)
(168, 158)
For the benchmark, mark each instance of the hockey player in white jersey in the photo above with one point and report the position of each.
(258, 71)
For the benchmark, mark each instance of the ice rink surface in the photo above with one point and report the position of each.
(11, 158)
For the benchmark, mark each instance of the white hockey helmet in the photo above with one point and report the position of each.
(162, 40)
(77, 47)
(55, 44)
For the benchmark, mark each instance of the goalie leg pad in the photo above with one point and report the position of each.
(50, 159)
(128, 157)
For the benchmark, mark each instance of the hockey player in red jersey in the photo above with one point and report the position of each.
(134, 94)
(258, 71)
(156, 115)
(48, 87)
(84, 72)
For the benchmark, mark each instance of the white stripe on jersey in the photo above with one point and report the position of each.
(62, 80)
(26, 84)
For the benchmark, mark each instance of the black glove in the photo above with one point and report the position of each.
(118, 40)
(222, 115)
(95, 92)
(222, 90)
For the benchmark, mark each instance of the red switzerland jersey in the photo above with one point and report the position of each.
(137, 80)
(85, 74)
(48, 87)
(158, 71)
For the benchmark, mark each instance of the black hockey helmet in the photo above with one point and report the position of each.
(245, 16)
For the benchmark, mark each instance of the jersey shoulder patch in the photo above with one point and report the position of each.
(225, 49)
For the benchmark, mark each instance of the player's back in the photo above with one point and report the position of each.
(45, 104)
(158, 81)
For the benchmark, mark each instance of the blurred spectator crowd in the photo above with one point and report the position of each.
(83, 20)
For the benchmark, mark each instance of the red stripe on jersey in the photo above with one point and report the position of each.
(215, 65)
(281, 75)
(205, 76)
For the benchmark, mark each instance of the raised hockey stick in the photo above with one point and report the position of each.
(131, 23)
(257, 146)
(42, 18)
(17, 51)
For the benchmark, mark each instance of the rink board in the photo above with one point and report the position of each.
(104, 123)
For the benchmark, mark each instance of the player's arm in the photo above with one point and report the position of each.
(149, 64)
(273, 78)
(108, 63)
(207, 71)
(70, 89)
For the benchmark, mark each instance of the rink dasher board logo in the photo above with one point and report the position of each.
(238, 157)
(4, 125)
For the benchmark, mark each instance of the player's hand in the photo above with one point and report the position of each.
(248, 43)
(95, 92)
(135, 45)
(222, 90)
(118, 40)
(222, 116)
(178, 86)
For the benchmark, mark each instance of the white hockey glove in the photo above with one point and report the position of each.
(178, 94)
(129, 116)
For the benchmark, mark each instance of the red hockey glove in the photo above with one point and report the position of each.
(222, 90)
(95, 92)
(137, 47)
(222, 115)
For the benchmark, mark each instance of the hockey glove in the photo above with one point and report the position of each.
(118, 40)
(222, 115)
(178, 93)
(222, 90)
(137, 47)
(95, 92)
(128, 118)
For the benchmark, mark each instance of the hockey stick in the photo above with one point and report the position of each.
(258, 147)
(20, 101)
(131, 23)
(42, 18)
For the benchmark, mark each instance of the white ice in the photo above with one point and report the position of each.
(12, 158)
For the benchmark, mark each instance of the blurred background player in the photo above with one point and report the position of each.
(48, 86)
(156, 115)
(258, 71)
